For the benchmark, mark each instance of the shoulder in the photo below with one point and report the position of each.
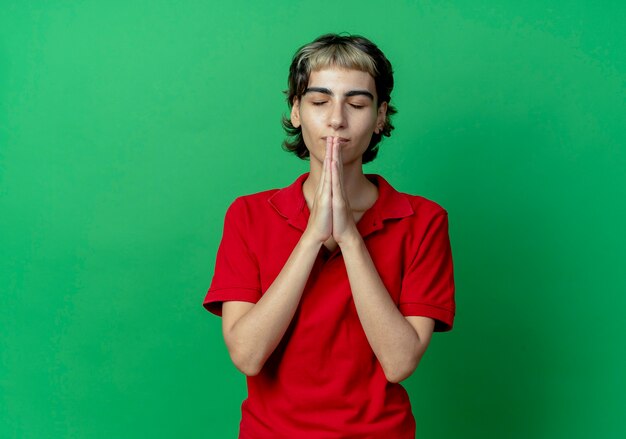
(428, 216)
(422, 208)
(243, 209)
(284, 202)
(253, 201)
(425, 207)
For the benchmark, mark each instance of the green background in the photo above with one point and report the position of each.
(127, 128)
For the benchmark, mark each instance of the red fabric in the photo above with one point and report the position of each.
(323, 380)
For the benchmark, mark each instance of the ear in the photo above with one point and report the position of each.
(295, 113)
(381, 117)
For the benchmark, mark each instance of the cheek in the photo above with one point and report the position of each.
(307, 132)
(314, 118)
(310, 133)
(312, 125)
(367, 124)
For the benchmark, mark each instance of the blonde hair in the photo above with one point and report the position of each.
(317, 56)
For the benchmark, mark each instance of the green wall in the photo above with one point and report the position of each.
(127, 128)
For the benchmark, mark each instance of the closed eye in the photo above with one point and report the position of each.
(357, 106)
(319, 102)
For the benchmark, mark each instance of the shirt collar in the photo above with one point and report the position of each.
(289, 202)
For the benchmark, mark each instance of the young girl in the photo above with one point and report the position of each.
(330, 289)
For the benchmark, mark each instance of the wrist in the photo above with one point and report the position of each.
(351, 240)
(308, 241)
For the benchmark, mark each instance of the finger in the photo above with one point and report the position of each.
(325, 170)
(335, 177)
(327, 163)
(336, 180)
(341, 181)
(340, 155)
(338, 159)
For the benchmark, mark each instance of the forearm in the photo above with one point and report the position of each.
(255, 335)
(394, 341)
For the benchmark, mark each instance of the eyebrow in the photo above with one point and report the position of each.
(329, 92)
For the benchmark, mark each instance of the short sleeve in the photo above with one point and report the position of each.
(236, 275)
(428, 282)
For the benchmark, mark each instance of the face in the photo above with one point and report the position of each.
(340, 103)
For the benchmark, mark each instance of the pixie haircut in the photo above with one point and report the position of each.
(347, 52)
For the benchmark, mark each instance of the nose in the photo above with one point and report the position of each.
(337, 117)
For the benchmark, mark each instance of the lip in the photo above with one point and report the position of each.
(339, 139)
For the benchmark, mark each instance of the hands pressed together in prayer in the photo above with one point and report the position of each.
(331, 215)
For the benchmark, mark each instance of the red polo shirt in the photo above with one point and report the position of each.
(323, 380)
